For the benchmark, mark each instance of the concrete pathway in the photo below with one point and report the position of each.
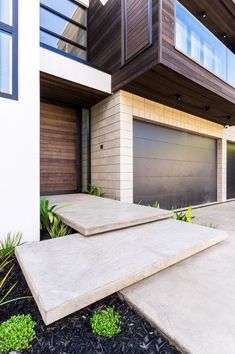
(91, 215)
(69, 273)
(193, 302)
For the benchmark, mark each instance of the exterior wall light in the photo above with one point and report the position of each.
(203, 14)
(178, 97)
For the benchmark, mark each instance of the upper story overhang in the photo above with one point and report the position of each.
(67, 80)
(194, 72)
(65, 72)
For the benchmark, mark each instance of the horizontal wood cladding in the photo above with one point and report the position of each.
(136, 28)
(58, 149)
(60, 90)
(183, 65)
(162, 84)
(160, 72)
(220, 17)
(105, 38)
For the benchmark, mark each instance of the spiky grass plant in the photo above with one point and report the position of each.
(187, 217)
(93, 190)
(58, 229)
(155, 205)
(7, 246)
(6, 272)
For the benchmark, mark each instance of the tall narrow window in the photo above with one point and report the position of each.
(8, 49)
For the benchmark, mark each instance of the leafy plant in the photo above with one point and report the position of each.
(106, 322)
(7, 247)
(58, 228)
(185, 216)
(4, 281)
(47, 214)
(17, 333)
(155, 205)
(93, 190)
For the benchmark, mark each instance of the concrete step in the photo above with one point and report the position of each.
(91, 215)
(69, 273)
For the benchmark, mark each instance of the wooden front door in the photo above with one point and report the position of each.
(59, 149)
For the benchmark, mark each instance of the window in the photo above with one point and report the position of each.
(8, 49)
(63, 27)
(197, 42)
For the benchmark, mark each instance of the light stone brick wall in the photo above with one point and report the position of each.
(105, 131)
(112, 127)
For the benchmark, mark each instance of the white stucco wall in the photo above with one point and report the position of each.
(19, 135)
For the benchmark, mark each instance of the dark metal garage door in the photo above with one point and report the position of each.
(173, 167)
(230, 170)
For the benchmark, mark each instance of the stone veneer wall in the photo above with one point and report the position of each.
(112, 140)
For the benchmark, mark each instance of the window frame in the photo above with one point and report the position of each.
(54, 34)
(12, 30)
(220, 77)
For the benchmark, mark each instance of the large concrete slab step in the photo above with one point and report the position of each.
(69, 273)
(91, 215)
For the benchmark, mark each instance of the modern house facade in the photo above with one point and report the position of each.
(137, 97)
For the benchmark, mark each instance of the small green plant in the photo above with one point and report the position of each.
(47, 214)
(58, 228)
(155, 205)
(93, 190)
(17, 333)
(7, 247)
(187, 217)
(106, 322)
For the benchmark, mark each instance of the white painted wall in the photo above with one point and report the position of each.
(72, 70)
(19, 135)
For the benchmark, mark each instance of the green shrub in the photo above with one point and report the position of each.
(7, 247)
(17, 333)
(93, 190)
(106, 322)
(155, 205)
(58, 229)
(187, 217)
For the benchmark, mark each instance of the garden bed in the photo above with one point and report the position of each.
(73, 335)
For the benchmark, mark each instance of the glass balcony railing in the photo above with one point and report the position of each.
(63, 27)
(197, 42)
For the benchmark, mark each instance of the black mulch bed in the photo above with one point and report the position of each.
(72, 335)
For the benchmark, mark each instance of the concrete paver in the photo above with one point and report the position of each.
(193, 302)
(91, 215)
(69, 273)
